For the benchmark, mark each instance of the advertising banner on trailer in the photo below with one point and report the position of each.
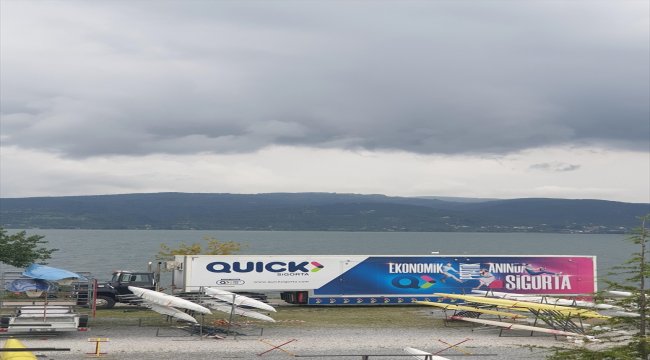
(341, 279)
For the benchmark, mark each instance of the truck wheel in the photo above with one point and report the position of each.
(104, 302)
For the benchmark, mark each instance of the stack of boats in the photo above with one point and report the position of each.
(563, 317)
(216, 299)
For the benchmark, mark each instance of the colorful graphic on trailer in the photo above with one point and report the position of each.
(426, 275)
(387, 278)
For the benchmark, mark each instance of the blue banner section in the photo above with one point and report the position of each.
(384, 300)
(411, 276)
(380, 300)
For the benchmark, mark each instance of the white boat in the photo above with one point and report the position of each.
(239, 311)
(623, 314)
(545, 299)
(239, 300)
(170, 311)
(512, 326)
(167, 300)
(423, 355)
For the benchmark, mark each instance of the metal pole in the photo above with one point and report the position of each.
(157, 276)
(94, 302)
(47, 293)
(232, 312)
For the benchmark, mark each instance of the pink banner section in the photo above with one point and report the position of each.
(560, 275)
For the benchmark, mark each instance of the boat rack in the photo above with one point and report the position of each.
(53, 311)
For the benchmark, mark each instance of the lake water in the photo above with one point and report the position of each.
(102, 251)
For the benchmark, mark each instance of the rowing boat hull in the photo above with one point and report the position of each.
(173, 312)
(569, 311)
(469, 308)
(511, 326)
(167, 300)
(242, 312)
(422, 355)
(237, 299)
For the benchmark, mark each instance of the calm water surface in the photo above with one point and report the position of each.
(102, 251)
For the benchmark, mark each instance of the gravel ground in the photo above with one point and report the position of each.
(152, 343)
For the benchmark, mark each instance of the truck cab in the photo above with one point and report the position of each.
(117, 289)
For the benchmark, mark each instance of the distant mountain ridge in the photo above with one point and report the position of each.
(318, 211)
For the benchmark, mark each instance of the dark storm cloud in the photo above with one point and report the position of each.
(86, 79)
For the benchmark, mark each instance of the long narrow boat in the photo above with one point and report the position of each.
(566, 310)
(239, 300)
(239, 311)
(15, 355)
(470, 308)
(546, 300)
(173, 312)
(422, 355)
(167, 300)
(511, 326)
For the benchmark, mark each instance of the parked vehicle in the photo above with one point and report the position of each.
(116, 290)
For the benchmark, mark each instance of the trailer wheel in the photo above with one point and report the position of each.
(104, 302)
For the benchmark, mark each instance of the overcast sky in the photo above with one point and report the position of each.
(494, 99)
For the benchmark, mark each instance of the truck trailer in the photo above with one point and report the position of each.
(384, 279)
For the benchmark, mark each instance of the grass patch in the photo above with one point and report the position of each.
(357, 316)
(292, 316)
(287, 316)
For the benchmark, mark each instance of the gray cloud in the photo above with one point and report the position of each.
(555, 167)
(85, 79)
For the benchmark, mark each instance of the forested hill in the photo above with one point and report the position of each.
(317, 211)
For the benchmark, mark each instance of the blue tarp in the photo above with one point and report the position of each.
(22, 285)
(43, 272)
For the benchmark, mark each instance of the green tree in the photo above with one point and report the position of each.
(20, 250)
(212, 247)
(634, 273)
